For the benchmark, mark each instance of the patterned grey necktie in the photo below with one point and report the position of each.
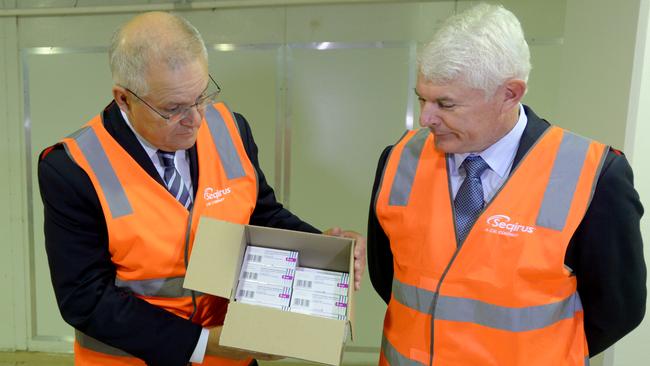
(173, 179)
(469, 198)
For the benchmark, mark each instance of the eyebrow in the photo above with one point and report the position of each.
(437, 100)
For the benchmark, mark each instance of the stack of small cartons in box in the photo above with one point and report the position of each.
(271, 277)
(320, 292)
(266, 277)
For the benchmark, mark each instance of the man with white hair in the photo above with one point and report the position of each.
(123, 196)
(495, 237)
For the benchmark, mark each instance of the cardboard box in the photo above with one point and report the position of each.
(214, 268)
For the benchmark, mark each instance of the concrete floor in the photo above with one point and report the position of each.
(57, 359)
(35, 359)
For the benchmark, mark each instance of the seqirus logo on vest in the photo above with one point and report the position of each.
(503, 225)
(213, 196)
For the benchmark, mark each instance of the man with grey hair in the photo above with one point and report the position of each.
(495, 237)
(123, 196)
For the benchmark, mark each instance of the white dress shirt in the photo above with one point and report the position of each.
(182, 162)
(499, 157)
(181, 157)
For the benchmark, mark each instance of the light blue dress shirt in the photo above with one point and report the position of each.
(499, 157)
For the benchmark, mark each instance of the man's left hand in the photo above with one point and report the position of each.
(359, 251)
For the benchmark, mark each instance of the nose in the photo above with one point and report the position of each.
(193, 117)
(429, 114)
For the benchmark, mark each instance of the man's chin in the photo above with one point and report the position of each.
(446, 144)
(186, 143)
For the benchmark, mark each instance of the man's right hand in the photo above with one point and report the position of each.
(215, 349)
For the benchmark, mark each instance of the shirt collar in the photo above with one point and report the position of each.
(148, 148)
(499, 156)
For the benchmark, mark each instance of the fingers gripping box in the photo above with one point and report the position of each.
(214, 268)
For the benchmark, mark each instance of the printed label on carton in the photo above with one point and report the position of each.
(317, 303)
(271, 257)
(263, 294)
(319, 280)
(267, 274)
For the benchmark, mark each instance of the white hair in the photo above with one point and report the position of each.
(175, 43)
(482, 47)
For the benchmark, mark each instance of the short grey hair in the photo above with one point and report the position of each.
(177, 43)
(482, 47)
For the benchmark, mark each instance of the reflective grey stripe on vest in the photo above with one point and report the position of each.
(473, 311)
(408, 163)
(158, 287)
(395, 358)
(224, 144)
(94, 153)
(92, 344)
(563, 181)
(587, 361)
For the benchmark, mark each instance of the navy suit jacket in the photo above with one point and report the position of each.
(605, 253)
(81, 270)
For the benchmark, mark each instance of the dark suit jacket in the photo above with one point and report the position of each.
(605, 253)
(80, 265)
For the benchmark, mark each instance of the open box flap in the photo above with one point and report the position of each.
(278, 332)
(351, 293)
(214, 263)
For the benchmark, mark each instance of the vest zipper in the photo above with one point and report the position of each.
(186, 257)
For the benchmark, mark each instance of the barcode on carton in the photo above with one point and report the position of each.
(254, 258)
(246, 294)
(304, 283)
(250, 275)
(301, 302)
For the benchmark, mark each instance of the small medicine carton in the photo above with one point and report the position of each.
(318, 280)
(215, 264)
(267, 274)
(263, 294)
(271, 257)
(319, 304)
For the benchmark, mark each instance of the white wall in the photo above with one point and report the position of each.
(633, 350)
(597, 66)
(594, 100)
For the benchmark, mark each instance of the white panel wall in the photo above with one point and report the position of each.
(633, 350)
(597, 68)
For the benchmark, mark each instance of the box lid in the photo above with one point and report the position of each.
(214, 263)
(284, 333)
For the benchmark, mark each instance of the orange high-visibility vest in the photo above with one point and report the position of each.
(503, 296)
(150, 234)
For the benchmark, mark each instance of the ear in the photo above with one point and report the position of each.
(121, 96)
(514, 91)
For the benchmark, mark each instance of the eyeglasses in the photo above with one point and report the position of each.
(209, 96)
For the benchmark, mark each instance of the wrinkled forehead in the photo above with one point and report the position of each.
(443, 88)
(184, 81)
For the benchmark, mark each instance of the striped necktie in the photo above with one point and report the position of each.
(173, 179)
(469, 198)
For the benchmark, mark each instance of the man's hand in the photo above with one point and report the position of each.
(359, 252)
(215, 349)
